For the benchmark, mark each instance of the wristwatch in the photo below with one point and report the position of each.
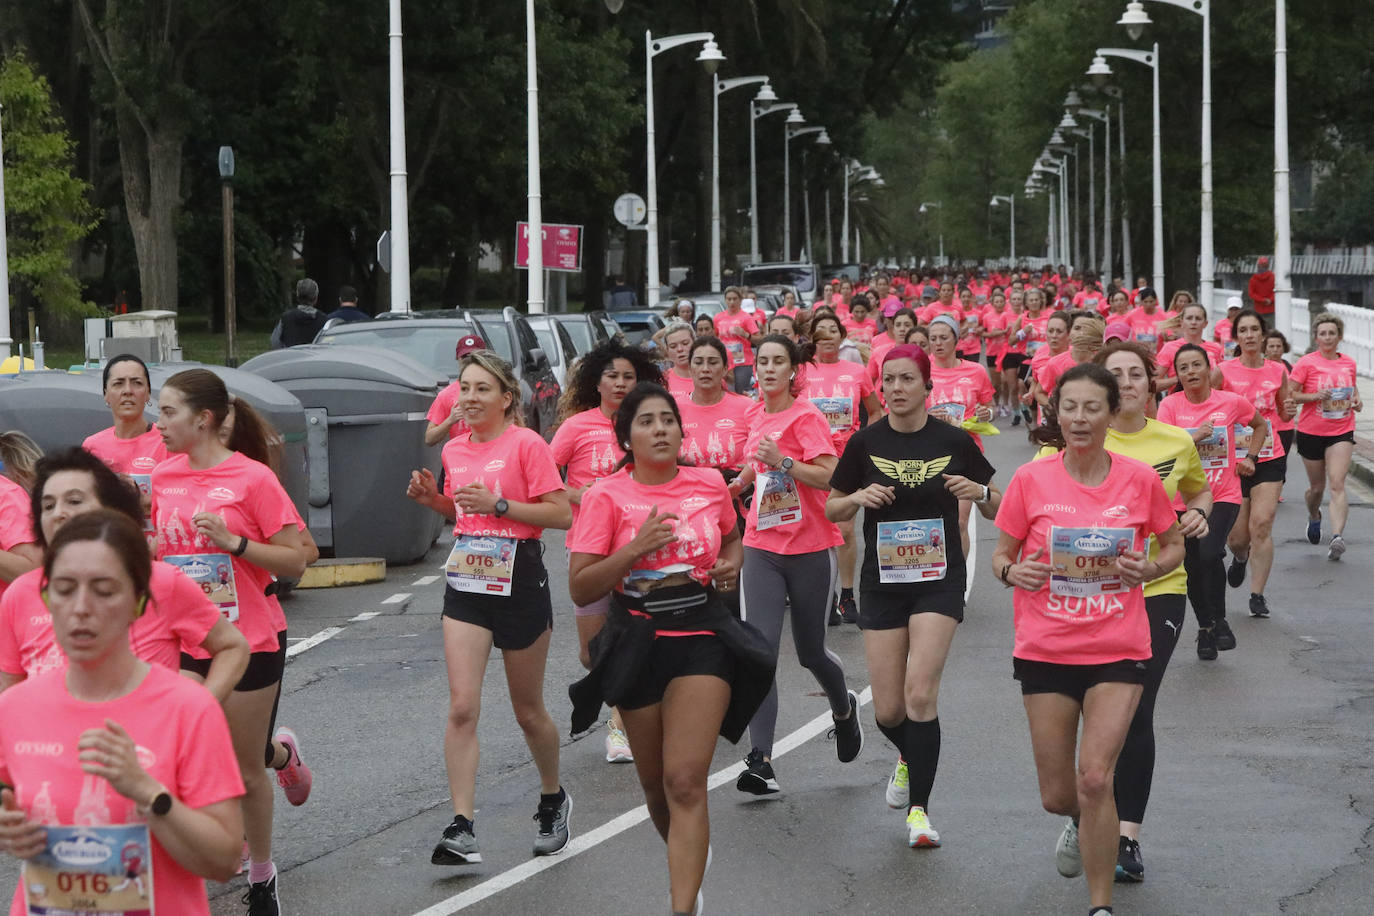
(986, 494)
(160, 804)
(502, 507)
(786, 464)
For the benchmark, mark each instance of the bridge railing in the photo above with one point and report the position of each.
(1359, 327)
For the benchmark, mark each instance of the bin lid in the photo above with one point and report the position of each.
(362, 364)
(56, 409)
(267, 397)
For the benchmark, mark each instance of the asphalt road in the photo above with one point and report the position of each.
(1262, 797)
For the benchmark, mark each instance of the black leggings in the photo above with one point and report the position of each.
(1205, 562)
(1135, 768)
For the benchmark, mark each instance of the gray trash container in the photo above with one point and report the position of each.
(56, 409)
(277, 406)
(366, 411)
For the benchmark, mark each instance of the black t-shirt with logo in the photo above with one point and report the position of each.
(914, 465)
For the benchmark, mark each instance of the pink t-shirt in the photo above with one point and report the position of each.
(138, 455)
(1090, 299)
(1314, 373)
(802, 434)
(1033, 329)
(254, 506)
(1167, 352)
(861, 332)
(443, 406)
(1225, 410)
(1072, 630)
(677, 385)
(517, 465)
(1145, 327)
(994, 320)
(956, 394)
(838, 389)
(1261, 388)
(741, 349)
(585, 445)
(183, 743)
(178, 618)
(1049, 370)
(16, 518)
(714, 436)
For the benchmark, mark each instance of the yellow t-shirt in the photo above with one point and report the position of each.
(1173, 455)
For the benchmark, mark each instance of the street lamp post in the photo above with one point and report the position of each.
(710, 57)
(400, 201)
(1135, 19)
(1100, 70)
(1127, 268)
(1283, 240)
(1011, 201)
(5, 341)
(925, 208)
(226, 180)
(757, 111)
(534, 204)
(1092, 194)
(723, 86)
(852, 169)
(791, 131)
(1106, 119)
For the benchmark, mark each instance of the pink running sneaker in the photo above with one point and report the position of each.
(295, 778)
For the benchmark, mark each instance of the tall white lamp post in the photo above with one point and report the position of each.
(1009, 199)
(853, 171)
(6, 343)
(791, 131)
(1135, 19)
(710, 57)
(757, 111)
(1099, 70)
(1283, 239)
(722, 86)
(534, 209)
(1105, 118)
(926, 207)
(400, 201)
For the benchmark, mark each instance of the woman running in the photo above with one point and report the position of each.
(789, 550)
(1265, 384)
(959, 391)
(19, 553)
(660, 540)
(222, 508)
(1073, 532)
(1212, 418)
(585, 449)
(677, 343)
(715, 421)
(179, 614)
(740, 331)
(909, 475)
(1326, 388)
(704, 326)
(501, 489)
(149, 760)
(1192, 323)
(132, 445)
(996, 318)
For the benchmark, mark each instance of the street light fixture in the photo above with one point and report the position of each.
(1134, 19)
(226, 180)
(1105, 117)
(854, 171)
(1067, 122)
(756, 111)
(766, 94)
(788, 134)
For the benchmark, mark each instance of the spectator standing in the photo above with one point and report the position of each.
(348, 310)
(1262, 290)
(300, 323)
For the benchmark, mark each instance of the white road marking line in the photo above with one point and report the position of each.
(584, 842)
(365, 615)
(396, 598)
(423, 581)
(313, 641)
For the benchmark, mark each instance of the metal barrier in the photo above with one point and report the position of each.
(1316, 264)
(1358, 343)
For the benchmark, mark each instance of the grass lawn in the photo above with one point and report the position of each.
(197, 344)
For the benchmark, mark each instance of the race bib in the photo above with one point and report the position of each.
(643, 582)
(1213, 450)
(1033, 345)
(481, 565)
(735, 347)
(949, 412)
(1337, 407)
(1083, 560)
(1243, 434)
(144, 482)
(214, 573)
(912, 551)
(777, 501)
(91, 870)
(839, 412)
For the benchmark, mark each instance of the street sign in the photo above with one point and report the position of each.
(630, 210)
(384, 250)
(562, 247)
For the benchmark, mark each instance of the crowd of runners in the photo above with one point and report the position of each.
(713, 488)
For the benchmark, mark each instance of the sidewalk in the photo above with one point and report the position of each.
(1363, 466)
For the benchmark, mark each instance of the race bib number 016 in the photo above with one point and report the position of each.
(912, 551)
(1214, 450)
(481, 565)
(1083, 560)
(777, 501)
(1337, 407)
(214, 573)
(91, 870)
(839, 412)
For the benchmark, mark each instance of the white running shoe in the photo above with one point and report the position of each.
(919, 833)
(617, 746)
(1067, 857)
(897, 794)
(1337, 548)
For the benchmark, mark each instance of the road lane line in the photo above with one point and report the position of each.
(585, 842)
(313, 641)
(365, 615)
(423, 581)
(397, 598)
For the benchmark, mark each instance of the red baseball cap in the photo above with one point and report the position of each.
(468, 343)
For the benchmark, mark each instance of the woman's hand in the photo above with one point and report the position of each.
(962, 487)
(19, 836)
(110, 753)
(211, 526)
(1204, 432)
(1132, 564)
(874, 496)
(725, 574)
(1245, 467)
(656, 533)
(1193, 524)
(423, 488)
(768, 452)
(983, 413)
(475, 498)
(1030, 574)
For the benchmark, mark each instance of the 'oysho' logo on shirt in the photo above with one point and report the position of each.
(38, 748)
(1058, 507)
(223, 494)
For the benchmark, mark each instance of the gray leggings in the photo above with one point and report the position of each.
(767, 581)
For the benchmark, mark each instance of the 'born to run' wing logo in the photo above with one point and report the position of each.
(911, 471)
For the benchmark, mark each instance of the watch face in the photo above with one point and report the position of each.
(161, 804)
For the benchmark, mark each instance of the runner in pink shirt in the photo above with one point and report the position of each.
(739, 331)
(899, 327)
(1085, 338)
(789, 550)
(18, 552)
(715, 422)
(132, 445)
(1326, 387)
(222, 516)
(445, 416)
(1192, 325)
(144, 765)
(859, 327)
(677, 340)
(1212, 418)
(971, 334)
(501, 489)
(1145, 320)
(995, 319)
(1074, 531)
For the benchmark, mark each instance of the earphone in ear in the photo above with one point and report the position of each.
(43, 594)
(141, 606)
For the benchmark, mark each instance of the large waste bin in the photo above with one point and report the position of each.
(277, 406)
(365, 408)
(56, 409)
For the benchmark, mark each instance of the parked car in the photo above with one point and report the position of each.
(585, 328)
(556, 343)
(802, 276)
(638, 327)
(852, 272)
(511, 336)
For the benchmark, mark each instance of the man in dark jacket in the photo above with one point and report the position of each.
(300, 323)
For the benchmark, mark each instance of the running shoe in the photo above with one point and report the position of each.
(1314, 530)
(700, 906)
(553, 832)
(758, 777)
(1206, 644)
(849, 733)
(849, 610)
(262, 899)
(1221, 632)
(1258, 606)
(617, 746)
(1235, 573)
(1067, 858)
(1130, 867)
(919, 833)
(295, 778)
(458, 845)
(897, 787)
(1016, 418)
(1337, 547)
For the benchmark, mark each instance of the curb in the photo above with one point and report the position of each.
(1362, 463)
(341, 571)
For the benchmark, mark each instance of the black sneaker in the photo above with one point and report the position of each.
(849, 610)
(757, 778)
(458, 846)
(1206, 644)
(1235, 573)
(1221, 630)
(1130, 867)
(1015, 417)
(553, 832)
(1258, 606)
(849, 733)
(262, 899)
(834, 619)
